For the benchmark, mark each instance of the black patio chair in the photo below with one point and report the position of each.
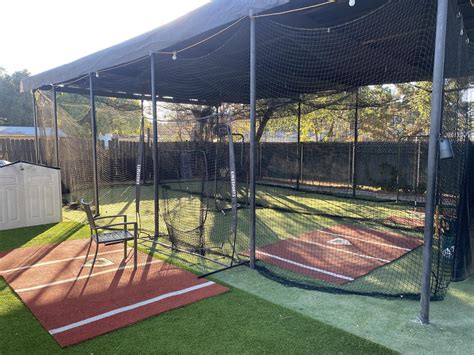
(115, 234)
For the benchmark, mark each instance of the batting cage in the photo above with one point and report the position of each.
(302, 139)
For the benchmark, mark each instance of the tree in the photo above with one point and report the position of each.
(16, 108)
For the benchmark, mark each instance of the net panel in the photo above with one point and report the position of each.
(349, 217)
(44, 107)
(341, 151)
(75, 152)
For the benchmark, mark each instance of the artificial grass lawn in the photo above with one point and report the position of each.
(235, 322)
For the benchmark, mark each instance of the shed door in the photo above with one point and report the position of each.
(44, 204)
(12, 213)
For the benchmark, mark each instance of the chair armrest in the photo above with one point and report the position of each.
(124, 216)
(124, 224)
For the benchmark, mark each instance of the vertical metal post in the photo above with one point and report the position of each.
(253, 102)
(35, 121)
(298, 147)
(156, 196)
(435, 126)
(354, 147)
(142, 124)
(417, 173)
(55, 128)
(94, 143)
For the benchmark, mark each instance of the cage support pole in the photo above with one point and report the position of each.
(35, 121)
(435, 126)
(156, 205)
(94, 143)
(55, 128)
(298, 146)
(253, 102)
(354, 148)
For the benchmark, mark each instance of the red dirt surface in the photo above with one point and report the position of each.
(78, 293)
(313, 254)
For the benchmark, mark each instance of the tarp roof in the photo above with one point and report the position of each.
(217, 70)
(206, 18)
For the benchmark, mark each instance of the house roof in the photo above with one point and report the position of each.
(27, 131)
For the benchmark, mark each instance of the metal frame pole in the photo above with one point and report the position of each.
(354, 148)
(156, 204)
(35, 121)
(298, 147)
(55, 128)
(253, 146)
(435, 127)
(94, 143)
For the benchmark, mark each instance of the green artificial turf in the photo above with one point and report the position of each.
(235, 322)
(391, 322)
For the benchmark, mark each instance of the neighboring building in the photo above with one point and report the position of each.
(27, 132)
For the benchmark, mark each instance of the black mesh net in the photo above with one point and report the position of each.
(343, 116)
(342, 208)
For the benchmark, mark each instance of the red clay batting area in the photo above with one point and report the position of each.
(339, 254)
(75, 303)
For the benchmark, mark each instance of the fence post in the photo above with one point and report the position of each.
(252, 139)
(436, 113)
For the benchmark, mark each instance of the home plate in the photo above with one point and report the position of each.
(99, 262)
(339, 241)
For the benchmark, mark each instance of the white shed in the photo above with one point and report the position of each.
(30, 195)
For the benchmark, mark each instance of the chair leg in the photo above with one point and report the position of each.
(125, 250)
(88, 250)
(96, 251)
(135, 252)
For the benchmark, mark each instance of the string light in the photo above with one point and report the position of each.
(352, 2)
(174, 55)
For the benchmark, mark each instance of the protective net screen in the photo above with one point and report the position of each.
(341, 178)
(342, 125)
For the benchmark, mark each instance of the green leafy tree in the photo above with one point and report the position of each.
(15, 107)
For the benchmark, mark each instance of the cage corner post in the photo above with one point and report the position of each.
(156, 205)
(252, 246)
(94, 143)
(435, 126)
(55, 127)
(35, 122)
(298, 147)
(355, 144)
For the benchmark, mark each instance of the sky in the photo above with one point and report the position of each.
(41, 35)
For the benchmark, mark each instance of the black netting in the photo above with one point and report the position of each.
(343, 210)
(343, 118)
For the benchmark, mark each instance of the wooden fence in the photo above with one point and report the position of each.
(13, 149)
(378, 164)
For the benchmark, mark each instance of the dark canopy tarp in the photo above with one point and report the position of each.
(200, 21)
(374, 45)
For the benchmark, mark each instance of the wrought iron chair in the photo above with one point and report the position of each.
(115, 234)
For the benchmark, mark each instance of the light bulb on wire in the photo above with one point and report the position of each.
(174, 55)
(352, 3)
